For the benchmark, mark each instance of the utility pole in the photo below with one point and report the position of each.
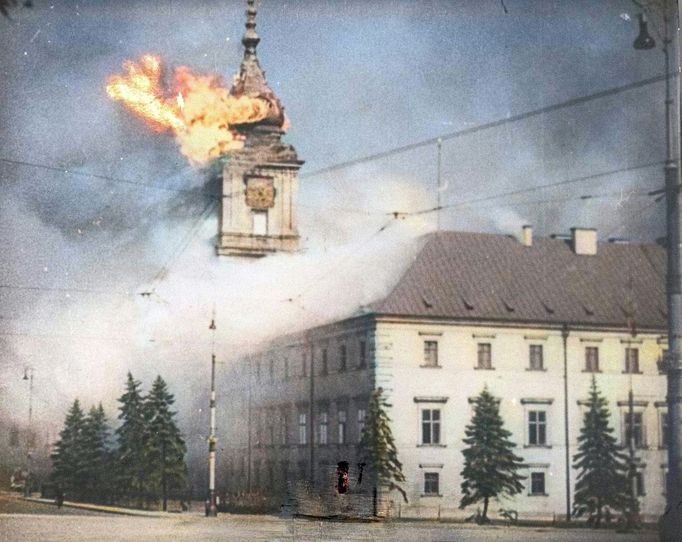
(164, 483)
(211, 508)
(248, 424)
(671, 524)
(309, 345)
(439, 145)
(564, 337)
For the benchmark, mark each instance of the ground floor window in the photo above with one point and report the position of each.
(431, 483)
(537, 483)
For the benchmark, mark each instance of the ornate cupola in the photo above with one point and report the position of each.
(260, 181)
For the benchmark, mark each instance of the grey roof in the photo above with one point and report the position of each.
(479, 276)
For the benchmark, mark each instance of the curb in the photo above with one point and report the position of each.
(102, 508)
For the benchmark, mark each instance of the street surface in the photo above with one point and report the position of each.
(35, 522)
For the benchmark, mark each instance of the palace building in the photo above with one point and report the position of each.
(533, 320)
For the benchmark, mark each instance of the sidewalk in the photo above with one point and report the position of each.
(108, 509)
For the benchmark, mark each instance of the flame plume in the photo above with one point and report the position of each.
(199, 111)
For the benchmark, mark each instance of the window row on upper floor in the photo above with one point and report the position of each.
(277, 426)
(536, 358)
(346, 355)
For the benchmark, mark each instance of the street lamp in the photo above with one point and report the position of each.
(671, 522)
(28, 375)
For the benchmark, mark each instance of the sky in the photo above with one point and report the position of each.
(356, 78)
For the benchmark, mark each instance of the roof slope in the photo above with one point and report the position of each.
(479, 276)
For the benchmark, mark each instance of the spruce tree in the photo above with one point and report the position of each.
(68, 452)
(602, 466)
(95, 458)
(130, 465)
(164, 446)
(377, 447)
(490, 465)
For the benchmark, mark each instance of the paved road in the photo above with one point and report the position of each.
(23, 521)
(10, 504)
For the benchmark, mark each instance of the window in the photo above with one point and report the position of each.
(431, 426)
(304, 365)
(537, 483)
(324, 424)
(536, 358)
(325, 368)
(665, 430)
(285, 429)
(258, 427)
(662, 362)
(259, 222)
(634, 429)
(362, 362)
(302, 428)
(361, 422)
(431, 353)
(258, 371)
(271, 429)
(592, 359)
(484, 356)
(272, 370)
(256, 473)
(284, 466)
(269, 471)
(14, 437)
(342, 426)
(631, 360)
(639, 484)
(537, 428)
(431, 483)
(342, 358)
(302, 470)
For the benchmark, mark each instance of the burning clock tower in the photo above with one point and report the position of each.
(260, 180)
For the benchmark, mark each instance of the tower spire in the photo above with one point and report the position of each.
(250, 39)
(251, 79)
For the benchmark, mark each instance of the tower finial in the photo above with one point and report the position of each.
(250, 39)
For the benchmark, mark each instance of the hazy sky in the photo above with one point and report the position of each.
(356, 78)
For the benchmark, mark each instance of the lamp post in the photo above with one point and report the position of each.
(211, 508)
(671, 522)
(28, 375)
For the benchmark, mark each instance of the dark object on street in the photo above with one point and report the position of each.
(361, 467)
(59, 499)
(343, 482)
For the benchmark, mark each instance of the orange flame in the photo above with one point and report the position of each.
(200, 111)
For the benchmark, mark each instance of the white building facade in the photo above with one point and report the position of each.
(532, 321)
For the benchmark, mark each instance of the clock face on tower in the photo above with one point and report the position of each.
(260, 193)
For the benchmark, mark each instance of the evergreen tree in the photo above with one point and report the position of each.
(377, 447)
(490, 465)
(68, 452)
(164, 446)
(602, 467)
(95, 458)
(130, 460)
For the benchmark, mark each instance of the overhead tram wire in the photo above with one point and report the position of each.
(480, 127)
(180, 248)
(59, 289)
(530, 189)
(67, 171)
(639, 213)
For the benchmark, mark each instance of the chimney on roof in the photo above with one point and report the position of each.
(527, 235)
(584, 241)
